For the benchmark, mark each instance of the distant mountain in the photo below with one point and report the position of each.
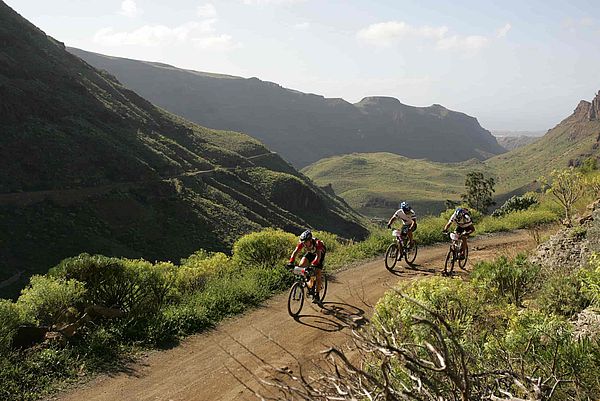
(302, 127)
(374, 183)
(505, 133)
(514, 142)
(87, 165)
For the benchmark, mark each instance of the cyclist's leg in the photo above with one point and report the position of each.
(411, 241)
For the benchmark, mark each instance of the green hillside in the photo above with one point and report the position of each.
(573, 140)
(87, 165)
(374, 183)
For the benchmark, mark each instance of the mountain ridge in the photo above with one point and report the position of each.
(305, 127)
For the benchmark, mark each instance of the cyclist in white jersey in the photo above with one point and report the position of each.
(409, 220)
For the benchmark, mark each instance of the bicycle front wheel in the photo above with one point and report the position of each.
(411, 254)
(449, 262)
(391, 256)
(296, 299)
(463, 262)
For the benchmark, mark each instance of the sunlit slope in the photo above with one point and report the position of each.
(374, 183)
(572, 141)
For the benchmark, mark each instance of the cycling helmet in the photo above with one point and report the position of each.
(306, 235)
(405, 206)
(460, 211)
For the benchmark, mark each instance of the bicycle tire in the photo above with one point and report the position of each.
(391, 253)
(411, 254)
(463, 262)
(323, 291)
(295, 299)
(449, 261)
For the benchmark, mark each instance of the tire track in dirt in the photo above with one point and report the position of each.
(210, 366)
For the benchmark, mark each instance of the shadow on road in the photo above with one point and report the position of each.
(415, 267)
(339, 316)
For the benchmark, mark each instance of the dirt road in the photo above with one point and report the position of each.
(209, 366)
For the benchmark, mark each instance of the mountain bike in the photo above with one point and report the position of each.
(399, 249)
(300, 289)
(455, 254)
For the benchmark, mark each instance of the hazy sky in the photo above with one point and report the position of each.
(514, 65)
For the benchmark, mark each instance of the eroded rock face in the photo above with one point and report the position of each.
(571, 248)
(594, 110)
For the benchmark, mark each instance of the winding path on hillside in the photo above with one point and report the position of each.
(210, 366)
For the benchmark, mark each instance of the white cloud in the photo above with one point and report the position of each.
(217, 42)
(154, 35)
(206, 11)
(572, 24)
(468, 43)
(302, 25)
(266, 2)
(385, 34)
(501, 33)
(129, 8)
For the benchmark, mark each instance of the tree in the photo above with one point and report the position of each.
(479, 191)
(567, 186)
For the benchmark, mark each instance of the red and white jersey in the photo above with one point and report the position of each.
(316, 246)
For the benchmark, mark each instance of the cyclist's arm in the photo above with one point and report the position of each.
(392, 219)
(295, 252)
(317, 259)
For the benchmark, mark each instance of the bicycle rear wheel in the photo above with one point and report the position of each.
(411, 254)
(391, 256)
(296, 299)
(449, 262)
(463, 262)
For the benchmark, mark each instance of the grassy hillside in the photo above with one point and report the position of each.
(87, 165)
(572, 141)
(303, 127)
(374, 183)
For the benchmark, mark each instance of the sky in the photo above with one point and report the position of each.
(514, 65)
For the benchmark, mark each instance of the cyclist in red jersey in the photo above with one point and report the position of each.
(315, 255)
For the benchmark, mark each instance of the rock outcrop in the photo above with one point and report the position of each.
(594, 111)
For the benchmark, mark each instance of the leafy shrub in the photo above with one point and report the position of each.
(511, 279)
(46, 298)
(455, 300)
(10, 317)
(590, 279)
(516, 203)
(134, 286)
(197, 269)
(562, 295)
(519, 219)
(269, 247)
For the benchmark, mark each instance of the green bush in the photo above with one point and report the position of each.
(135, 286)
(47, 298)
(562, 295)
(455, 300)
(516, 203)
(511, 279)
(269, 248)
(11, 318)
(194, 272)
(590, 280)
